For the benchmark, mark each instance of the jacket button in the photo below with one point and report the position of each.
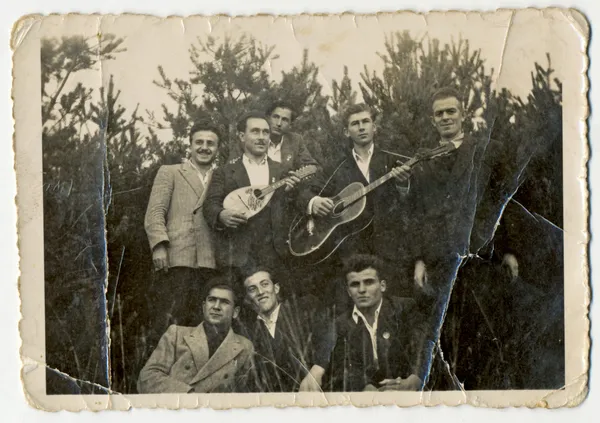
(192, 231)
(188, 366)
(226, 376)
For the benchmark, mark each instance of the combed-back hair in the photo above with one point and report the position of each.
(357, 108)
(283, 105)
(445, 92)
(252, 114)
(205, 125)
(360, 262)
(221, 282)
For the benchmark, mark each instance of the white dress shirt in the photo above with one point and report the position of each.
(363, 164)
(356, 314)
(204, 177)
(457, 140)
(271, 321)
(258, 173)
(275, 151)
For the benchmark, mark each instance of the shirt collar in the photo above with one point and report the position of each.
(457, 140)
(247, 161)
(356, 313)
(213, 165)
(273, 317)
(360, 159)
(276, 146)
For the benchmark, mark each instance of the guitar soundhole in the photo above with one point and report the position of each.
(338, 208)
(257, 193)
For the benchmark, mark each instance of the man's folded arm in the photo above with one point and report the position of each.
(155, 377)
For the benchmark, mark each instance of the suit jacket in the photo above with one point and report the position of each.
(400, 348)
(443, 199)
(294, 153)
(174, 216)
(234, 247)
(386, 205)
(283, 361)
(180, 363)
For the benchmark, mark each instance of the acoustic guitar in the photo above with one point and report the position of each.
(321, 236)
(251, 200)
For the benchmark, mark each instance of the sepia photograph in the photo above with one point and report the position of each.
(303, 207)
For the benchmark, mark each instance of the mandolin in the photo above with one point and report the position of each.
(309, 235)
(251, 200)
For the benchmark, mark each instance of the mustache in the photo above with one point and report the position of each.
(204, 151)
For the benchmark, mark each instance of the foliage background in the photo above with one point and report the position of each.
(100, 161)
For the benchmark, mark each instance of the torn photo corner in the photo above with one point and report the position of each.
(234, 212)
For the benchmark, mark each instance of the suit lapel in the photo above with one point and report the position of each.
(240, 176)
(465, 158)
(198, 345)
(191, 176)
(287, 150)
(226, 352)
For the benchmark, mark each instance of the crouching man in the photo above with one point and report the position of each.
(207, 358)
(377, 345)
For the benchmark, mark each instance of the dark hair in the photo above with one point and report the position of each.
(443, 93)
(205, 125)
(360, 262)
(357, 108)
(252, 114)
(221, 282)
(283, 105)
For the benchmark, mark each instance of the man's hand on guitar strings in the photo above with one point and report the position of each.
(321, 206)
(291, 181)
(401, 173)
(231, 218)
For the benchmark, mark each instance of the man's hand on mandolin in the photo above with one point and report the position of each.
(231, 218)
(321, 206)
(291, 181)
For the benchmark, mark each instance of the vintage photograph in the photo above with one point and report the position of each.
(393, 204)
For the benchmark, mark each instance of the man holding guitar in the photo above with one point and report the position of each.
(379, 227)
(242, 237)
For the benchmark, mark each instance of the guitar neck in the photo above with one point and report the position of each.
(359, 194)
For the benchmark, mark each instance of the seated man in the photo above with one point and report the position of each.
(377, 345)
(280, 332)
(206, 358)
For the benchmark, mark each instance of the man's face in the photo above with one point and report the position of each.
(219, 308)
(255, 139)
(365, 288)
(280, 119)
(360, 129)
(262, 292)
(204, 146)
(447, 117)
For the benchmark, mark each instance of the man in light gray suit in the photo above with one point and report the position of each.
(207, 358)
(180, 240)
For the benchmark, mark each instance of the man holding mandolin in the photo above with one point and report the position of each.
(244, 205)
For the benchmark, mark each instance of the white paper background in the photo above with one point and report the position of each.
(14, 407)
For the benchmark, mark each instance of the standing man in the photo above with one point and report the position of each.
(280, 331)
(206, 358)
(375, 346)
(364, 162)
(180, 239)
(286, 147)
(240, 241)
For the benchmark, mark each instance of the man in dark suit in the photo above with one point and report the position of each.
(286, 147)
(386, 208)
(280, 330)
(240, 241)
(179, 237)
(207, 358)
(376, 346)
